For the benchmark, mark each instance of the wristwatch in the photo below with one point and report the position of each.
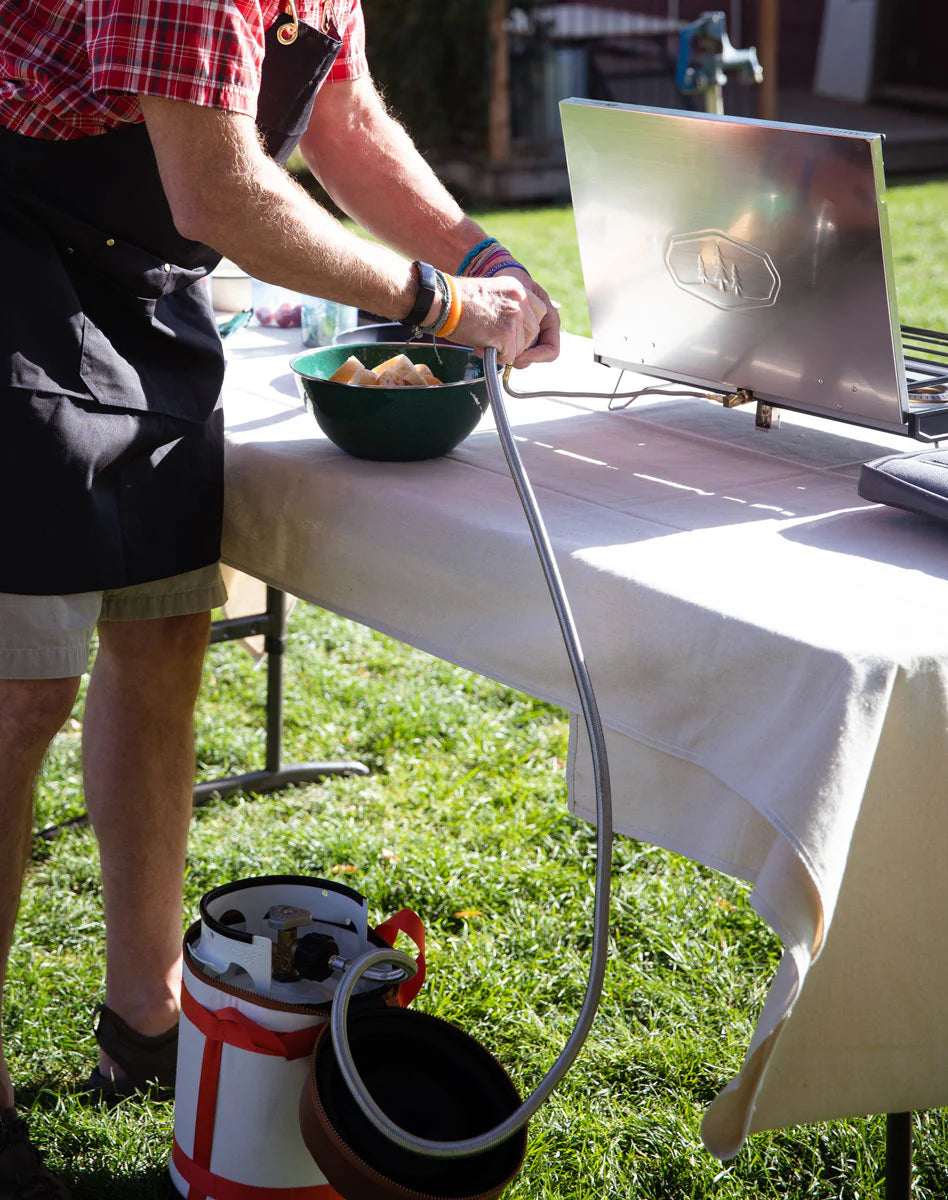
(427, 291)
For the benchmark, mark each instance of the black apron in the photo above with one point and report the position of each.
(111, 434)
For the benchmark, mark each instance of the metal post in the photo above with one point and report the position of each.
(714, 99)
(898, 1156)
(768, 39)
(275, 644)
(498, 103)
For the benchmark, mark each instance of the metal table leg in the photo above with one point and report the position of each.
(271, 624)
(898, 1156)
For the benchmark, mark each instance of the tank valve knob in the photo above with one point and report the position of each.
(313, 955)
(286, 919)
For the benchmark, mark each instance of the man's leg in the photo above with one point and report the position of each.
(31, 713)
(138, 766)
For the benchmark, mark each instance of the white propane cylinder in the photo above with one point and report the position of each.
(245, 1039)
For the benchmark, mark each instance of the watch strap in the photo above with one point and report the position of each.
(427, 291)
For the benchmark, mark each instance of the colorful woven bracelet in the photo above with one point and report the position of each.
(485, 260)
(505, 266)
(488, 256)
(454, 316)
(472, 254)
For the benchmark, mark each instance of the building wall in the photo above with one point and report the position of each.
(910, 40)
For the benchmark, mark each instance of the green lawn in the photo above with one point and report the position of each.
(464, 819)
(918, 218)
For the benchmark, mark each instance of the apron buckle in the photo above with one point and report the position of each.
(289, 33)
(329, 23)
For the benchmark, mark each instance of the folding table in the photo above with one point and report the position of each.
(770, 658)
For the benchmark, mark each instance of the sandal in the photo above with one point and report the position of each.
(22, 1173)
(149, 1063)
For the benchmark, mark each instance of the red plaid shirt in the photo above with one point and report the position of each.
(72, 68)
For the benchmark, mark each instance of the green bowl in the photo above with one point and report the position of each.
(395, 424)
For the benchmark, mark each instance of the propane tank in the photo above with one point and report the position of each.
(261, 967)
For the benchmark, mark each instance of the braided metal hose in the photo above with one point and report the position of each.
(597, 967)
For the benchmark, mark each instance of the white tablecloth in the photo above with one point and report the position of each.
(769, 653)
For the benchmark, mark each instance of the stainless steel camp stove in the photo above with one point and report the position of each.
(749, 258)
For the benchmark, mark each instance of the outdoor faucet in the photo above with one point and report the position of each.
(707, 36)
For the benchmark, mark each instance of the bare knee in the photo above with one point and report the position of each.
(168, 649)
(32, 711)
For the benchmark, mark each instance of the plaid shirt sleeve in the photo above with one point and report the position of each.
(206, 52)
(351, 62)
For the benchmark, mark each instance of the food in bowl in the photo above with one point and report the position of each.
(397, 371)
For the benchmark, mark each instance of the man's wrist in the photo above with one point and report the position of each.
(426, 296)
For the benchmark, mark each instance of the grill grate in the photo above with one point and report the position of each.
(926, 354)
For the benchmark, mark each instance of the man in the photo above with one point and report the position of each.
(138, 143)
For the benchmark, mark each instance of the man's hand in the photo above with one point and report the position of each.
(547, 344)
(512, 314)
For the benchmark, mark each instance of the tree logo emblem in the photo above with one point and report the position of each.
(722, 270)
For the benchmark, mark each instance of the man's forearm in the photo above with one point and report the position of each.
(371, 168)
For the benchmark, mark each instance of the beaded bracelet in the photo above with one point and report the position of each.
(457, 307)
(472, 254)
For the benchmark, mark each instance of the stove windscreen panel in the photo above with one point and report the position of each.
(735, 253)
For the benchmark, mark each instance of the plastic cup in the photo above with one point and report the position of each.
(321, 320)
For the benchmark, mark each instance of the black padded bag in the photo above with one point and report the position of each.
(916, 482)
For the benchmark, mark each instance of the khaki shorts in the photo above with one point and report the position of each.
(49, 637)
